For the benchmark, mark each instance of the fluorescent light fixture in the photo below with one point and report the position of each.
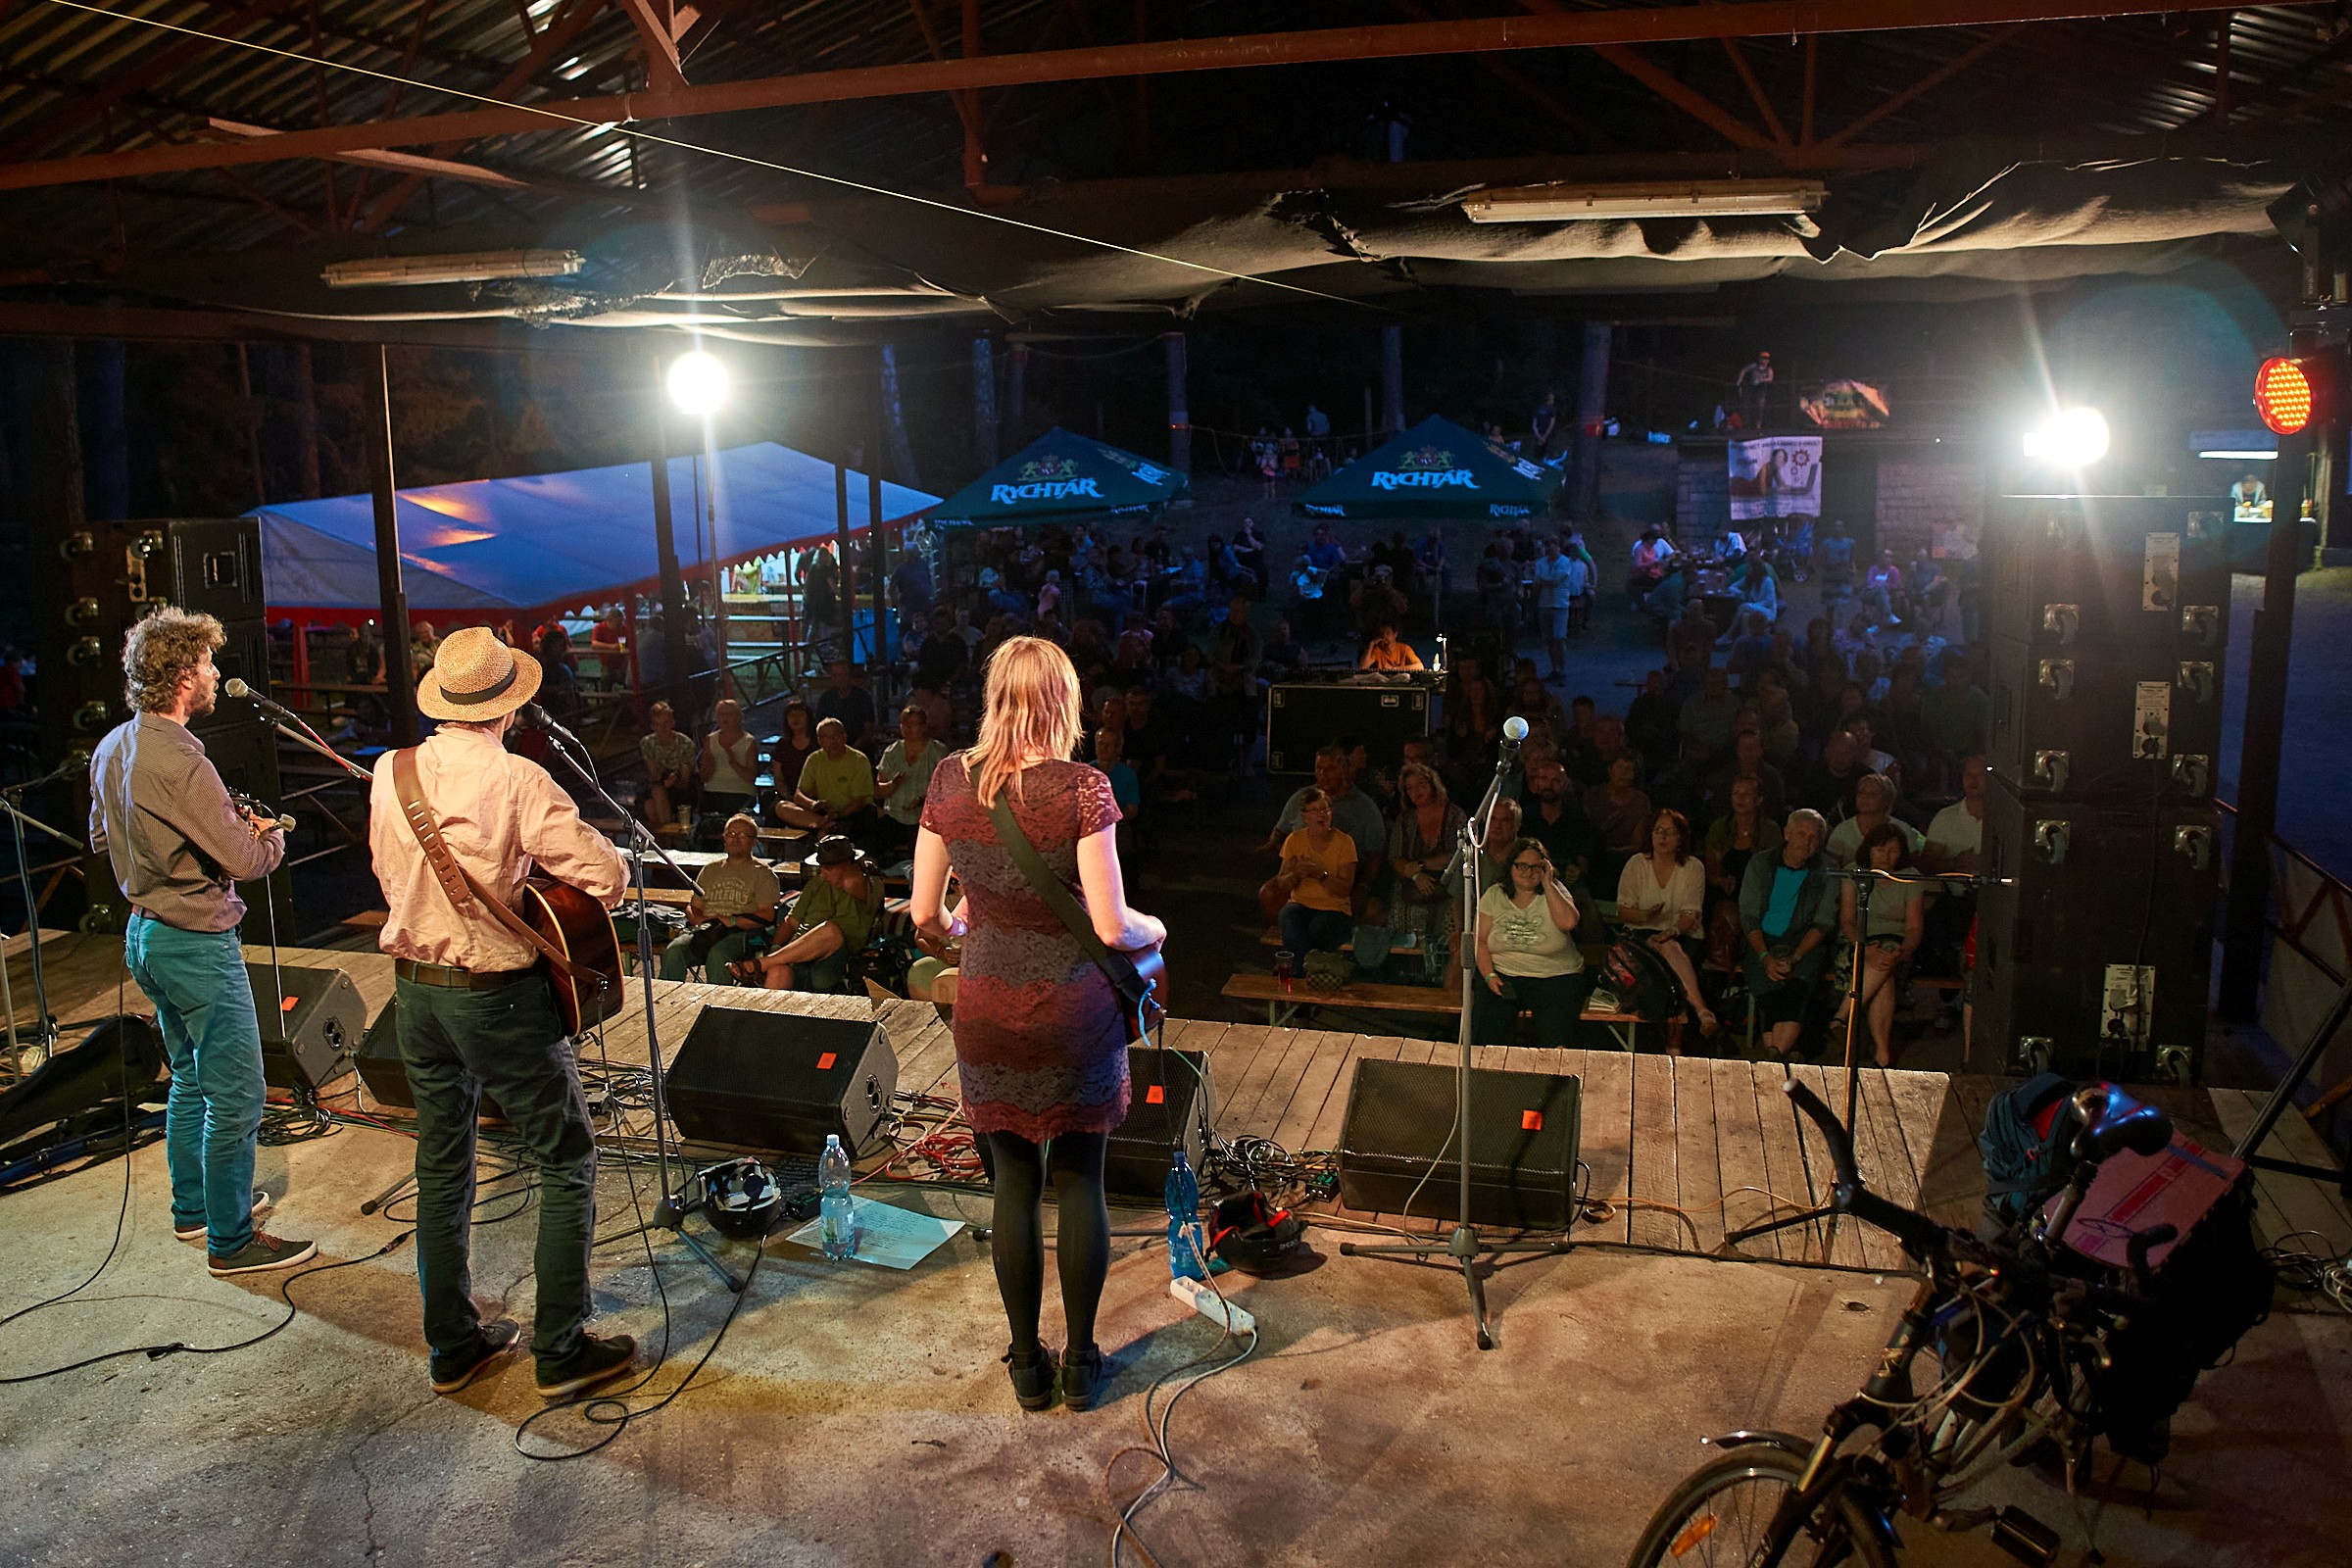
(481, 266)
(698, 382)
(2239, 445)
(2073, 439)
(1673, 198)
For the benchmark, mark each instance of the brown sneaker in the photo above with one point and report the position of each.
(261, 1255)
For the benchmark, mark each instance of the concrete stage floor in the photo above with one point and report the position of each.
(857, 1415)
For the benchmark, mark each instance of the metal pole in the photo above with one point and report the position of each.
(2266, 728)
(676, 650)
(873, 522)
(1180, 411)
(400, 679)
(846, 580)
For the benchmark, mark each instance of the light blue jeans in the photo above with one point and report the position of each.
(204, 1006)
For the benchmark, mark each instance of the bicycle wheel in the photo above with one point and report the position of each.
(1717, 1519)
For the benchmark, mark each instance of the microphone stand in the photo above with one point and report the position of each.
(1864, 878)
(1464, 1245)
(675, 1204)
(45, 1029)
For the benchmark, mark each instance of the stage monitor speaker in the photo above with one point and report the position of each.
(311, 1029)
(385, 1072)
(1396, 1154)
(780, 1082)
(1169, 1101)
(1302, 717)
(2094, 945)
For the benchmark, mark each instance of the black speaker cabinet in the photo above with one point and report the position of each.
(2072, 572)
(779, 1082)
(1169, 1101)
(309, 1029)
(2096, 956)
(2109, 721)
(385, 1073)
(1300, 717)
(1523, 1143)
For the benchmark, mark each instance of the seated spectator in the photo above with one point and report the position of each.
(1759, 591)
(1527, 955)
(1897, 918)
(1831, 788)
(829, 924)
(1422, 839)
(609, 640)
(1387, 651)
(1874, 803)
(1649, 720)
(734, 905)
(944, 656)
(1283, 656)
(559, 684)
(836, 793)
(669, 771)
(1551, 818)
(1661, 897)
(1864, 727)
(1353, 814)
(1706, 719)
(1546, 719)
(1494, 843)
(902, 777)
(1690, 638)
(939, 713)
(1126, 789)
(1747, 762)
(1751, 650)
(1733, 838)
(1317, 880)
(1376, 599)
(1620, 814)
(729, 766)
(792, 750)
(1151, 741)
(1473, 711)
(846, 700)
(1787, 912)
(1956, 835)
(1957, 715)
(1186, 679)
(1776, 722)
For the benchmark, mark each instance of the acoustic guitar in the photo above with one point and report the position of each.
(573, 924)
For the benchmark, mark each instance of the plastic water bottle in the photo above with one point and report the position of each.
(1183, 1194)
(838, 1229)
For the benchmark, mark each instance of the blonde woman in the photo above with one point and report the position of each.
(1041, 1045)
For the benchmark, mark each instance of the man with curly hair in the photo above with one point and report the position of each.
(179, 846)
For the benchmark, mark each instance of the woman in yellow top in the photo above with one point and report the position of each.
(1319, 875)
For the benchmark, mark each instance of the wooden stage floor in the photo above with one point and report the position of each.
(1680, 1150)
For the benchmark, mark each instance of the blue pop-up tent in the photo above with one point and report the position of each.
(552, 544)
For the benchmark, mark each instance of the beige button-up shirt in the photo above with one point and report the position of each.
(500, 816)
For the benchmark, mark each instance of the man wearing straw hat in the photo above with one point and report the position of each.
(475, 1015)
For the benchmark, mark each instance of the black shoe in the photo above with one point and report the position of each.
(453, 1372)
(597, 1360)
(260, 1255)
(1032, 1377)
(1083, 1374)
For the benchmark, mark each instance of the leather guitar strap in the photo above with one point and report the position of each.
(466, 895)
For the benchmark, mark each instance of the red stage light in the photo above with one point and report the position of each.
(2283, 396)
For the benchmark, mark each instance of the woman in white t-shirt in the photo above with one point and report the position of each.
(1525, 951)
(1661, 896)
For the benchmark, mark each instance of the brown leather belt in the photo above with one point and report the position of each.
(450, 976)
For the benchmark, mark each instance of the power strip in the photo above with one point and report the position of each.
(1220, 1310)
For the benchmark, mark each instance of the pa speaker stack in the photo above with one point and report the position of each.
(104, 577)
(312, 1022)
(1398, 1155)
(779, 1082)
(2108, 623)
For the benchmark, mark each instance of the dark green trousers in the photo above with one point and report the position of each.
(507, 1042)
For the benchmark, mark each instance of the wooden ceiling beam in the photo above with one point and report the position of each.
(1621, 27)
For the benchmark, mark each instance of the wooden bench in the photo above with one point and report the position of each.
(1282, 1006)
(1405, 948)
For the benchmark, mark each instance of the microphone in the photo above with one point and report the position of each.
(235, 687)
(1514, 730)
(532, 715)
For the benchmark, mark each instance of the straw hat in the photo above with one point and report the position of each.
(476, 678)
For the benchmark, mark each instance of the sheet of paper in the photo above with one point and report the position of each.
(895, 1238)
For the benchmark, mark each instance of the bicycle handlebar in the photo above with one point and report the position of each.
(1920, 1236)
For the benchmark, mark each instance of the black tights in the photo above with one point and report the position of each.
(1081, 1240)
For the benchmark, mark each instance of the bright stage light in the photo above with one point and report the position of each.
(698, 382)
(2283, 396)
(2073, 439)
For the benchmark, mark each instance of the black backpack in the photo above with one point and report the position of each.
(1644, 986)
(2022, 1166)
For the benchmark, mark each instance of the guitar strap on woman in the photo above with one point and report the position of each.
(465, 894)
(1132, 987)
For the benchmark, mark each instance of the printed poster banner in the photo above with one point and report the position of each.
(1776, 476)
(1844, 405)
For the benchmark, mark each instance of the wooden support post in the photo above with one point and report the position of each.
(677, 655)
(2266, 728)
(845, 578)
(1180, 413)
(392, 601)
(1591, 410)
(1391, 384)
(984, 403)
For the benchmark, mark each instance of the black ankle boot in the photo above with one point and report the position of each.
(1081, 1378)
(1032, 1377)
